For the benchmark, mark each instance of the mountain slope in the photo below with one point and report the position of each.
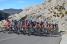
(3, 15)
(12, 11)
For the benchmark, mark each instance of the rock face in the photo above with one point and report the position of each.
(55, 11)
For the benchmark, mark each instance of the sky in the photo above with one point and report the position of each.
(18, 4)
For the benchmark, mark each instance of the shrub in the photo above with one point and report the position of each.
(65, 12)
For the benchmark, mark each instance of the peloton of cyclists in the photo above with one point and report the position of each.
(30, 27)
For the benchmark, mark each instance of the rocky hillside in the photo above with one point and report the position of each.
(55, 11)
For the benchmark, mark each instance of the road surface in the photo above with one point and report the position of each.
(24, 39)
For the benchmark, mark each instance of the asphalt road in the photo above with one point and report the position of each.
(24, 39)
